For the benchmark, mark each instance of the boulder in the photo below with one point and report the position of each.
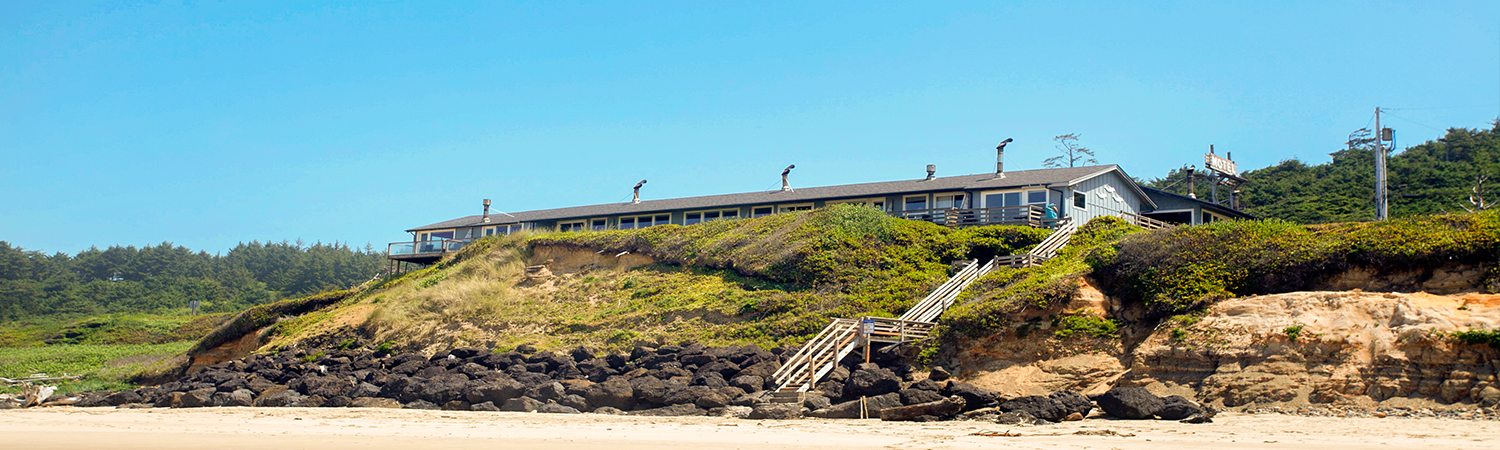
(1037, 406)
(457, 405)
(1132, 403)
(574, 401)
(1073, 402)
(497, 391)
(1018, 418)
(364, 390)
(614, 393)
(554, 408)
(608, 410)
(938, 373)
(673, 410)
(122, 397)
(1177, 407)
(240, 397)
(868, 382)
(711, 400)
(486, 406)
(852, 409)
(521, 404)
(736, 412)
(777, 411)
(974, 397)
(947, 407)
(918, 396)
(750, 383)
(814, 402)
(283, 398)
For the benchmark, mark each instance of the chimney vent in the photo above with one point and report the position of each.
(636, 198)
(931, 171)
(486, 210)
(1000, 158)
(784, 185)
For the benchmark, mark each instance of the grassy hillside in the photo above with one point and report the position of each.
(770, 280)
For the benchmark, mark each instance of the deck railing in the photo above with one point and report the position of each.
(1029, 215)
(420, 248)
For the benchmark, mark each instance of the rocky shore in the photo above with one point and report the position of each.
(672, 380)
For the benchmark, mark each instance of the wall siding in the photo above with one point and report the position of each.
(1096, 206)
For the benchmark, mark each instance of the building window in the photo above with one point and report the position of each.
(628, 223)
(598, 224)
(502, 229)
(1003, 199)
(799, 207)
(704, 216)
(760, 211)
(1080, 199)
(571, 226)
(915, 203)
(948, 201)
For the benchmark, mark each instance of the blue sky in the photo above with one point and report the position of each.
(207, 123)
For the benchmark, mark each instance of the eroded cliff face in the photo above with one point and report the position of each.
(1346, 347)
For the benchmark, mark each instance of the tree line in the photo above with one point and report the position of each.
(1453, 174)
(165, 278)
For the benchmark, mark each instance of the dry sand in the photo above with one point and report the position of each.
(379, 429)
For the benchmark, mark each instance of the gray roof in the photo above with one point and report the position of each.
(1153, 192)
(1026, 178)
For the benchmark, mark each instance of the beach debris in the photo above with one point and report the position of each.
(947, 407)
(1005, 433)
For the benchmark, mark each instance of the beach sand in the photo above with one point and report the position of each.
(379, 429)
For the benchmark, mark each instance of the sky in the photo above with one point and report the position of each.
(206, 124)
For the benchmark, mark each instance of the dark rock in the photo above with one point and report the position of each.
(408, 368)
(712, 380)
(870, 383)
(1073, 402)
(775, 411)
(457, 405)
(467, 352)
(531, 378)
(445, 388)
(938, 373)
(554, 408)
(326, 386)
(422, 404)
(762, 369)
(525, 349)
(284, 398)
(830, 389)
(122, 397)
(219, 399)
(617, 361)
(750, 383)
(1133, 403)
(974, 397)
(1204, 416)
(364, 390)
(474, 371)
(929, 411)
(430, 371)
(242, 397)
(547, 391)
(814, 402)
(668, 349)
(839, 374)
(697, 359)
(1037, 406)
(615, 393)
(576, 402)
(752, 398)
(311, 401)
(1177, 407)
(689, 394)
(852, 409)
(608, 410)
(337, 402)
(711, 400)
(918, 396)
(673, 410)
(196, 398)
(521, 404)
(486, 406)
(1018, 418)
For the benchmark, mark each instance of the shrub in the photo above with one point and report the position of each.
(1476, 337)
(1079, 326)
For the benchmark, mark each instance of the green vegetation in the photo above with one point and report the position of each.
(102, 366)
(111, 329)
(1293, 332)
(1080, 326)
(261, 316)
(1173, 270)
(1435, 177)
(986, 305)
(1476, 337)
(164, 279)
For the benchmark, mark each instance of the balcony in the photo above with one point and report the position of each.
(1029, 215)
(424, 252)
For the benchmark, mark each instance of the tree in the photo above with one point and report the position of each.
(1477, 194)
(1072, 153)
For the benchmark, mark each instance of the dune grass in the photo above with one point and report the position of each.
(102, 366)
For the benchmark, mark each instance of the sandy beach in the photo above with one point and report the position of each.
(378, 429)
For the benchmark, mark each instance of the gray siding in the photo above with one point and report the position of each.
(1101, 201)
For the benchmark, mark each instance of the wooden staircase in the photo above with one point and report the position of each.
(837, 340)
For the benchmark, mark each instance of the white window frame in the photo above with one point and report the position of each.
(719, 215)
(503, 230)
(1025, 197)
(926, 202)
(598, 224)
(572, 225)
(636, 221)
(1076, 195)
(873, 202)
(770, 209)
(799, 207)
(958, 204)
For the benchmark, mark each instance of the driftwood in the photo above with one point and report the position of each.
(942, 408)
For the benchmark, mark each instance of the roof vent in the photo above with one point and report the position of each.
(784, 185)
(636, 198)
(1000, 158)
(931, 171)
(486, 210)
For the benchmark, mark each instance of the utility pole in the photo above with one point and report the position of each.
(1382, 211)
